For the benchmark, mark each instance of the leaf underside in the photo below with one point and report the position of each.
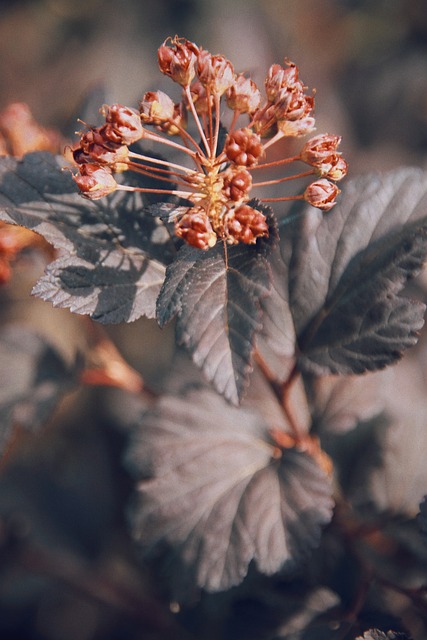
(215, 493)
(33, 378)
(112, 259)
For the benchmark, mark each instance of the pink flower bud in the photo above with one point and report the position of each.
(321, 194)
(243, 95)
(297, 128)
(94, 181)
(216, 73)
(280, 78)
(320, 150)
(338, 170)
(245, 224)
(178, 60)
(195, 228)
(126, 122)
(156, 108)
(243, 147)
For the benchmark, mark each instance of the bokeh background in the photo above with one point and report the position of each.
(367, 60)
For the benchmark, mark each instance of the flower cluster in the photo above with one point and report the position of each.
(217, 180)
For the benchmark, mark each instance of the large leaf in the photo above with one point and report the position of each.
(216, 295)
(219, 492)
(33, 378)
(111, 263)
(346, 268)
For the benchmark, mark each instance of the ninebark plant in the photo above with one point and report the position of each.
(283, 309)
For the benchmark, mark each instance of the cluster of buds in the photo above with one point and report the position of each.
(216, 176)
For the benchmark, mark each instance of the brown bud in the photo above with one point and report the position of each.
(236, 183)
(96, 145)
(94, 181)
(245, 224)
(280, 78)
(156, 108)
(126, 122)
(264, 121)
(200, 98)
(293, 105)
(297, 128)
(337, 169)
(216, 73)
(320, 150)
(243, 95)
(178, 60)
(195, 228)
(243, 147)
(321, 194)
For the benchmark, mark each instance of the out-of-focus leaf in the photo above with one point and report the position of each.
(112, 258)
(33, 378)
(216, 490)
(340, 403)
(216, 296)
(346, 269)
(422, 516)
(375, 634)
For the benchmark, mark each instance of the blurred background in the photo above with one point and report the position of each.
(367, 59)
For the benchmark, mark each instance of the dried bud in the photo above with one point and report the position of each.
(337, 170)
(279, 78)
(297, 128)
(178, 60)
(156, 108)
(264, 121)
(245, 224)
(243, 147)
(96, 145)
(216, 73)
(125, 121)
(94, 181)
(195, 228)
(243, 95)
(200, 98)
(321, 194)
(177, 122)
(237, 183)
(320, 150)
(293, 105)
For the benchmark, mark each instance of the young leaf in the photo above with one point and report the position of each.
(216, 490)
(346, 269)
(33, 378)
(216, 295)
(111, 263)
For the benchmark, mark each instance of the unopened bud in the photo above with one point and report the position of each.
(178, 60)
(321, 194)
(243, 95)
(236, 183)
(243, 147)
(216, 73)
(94, 181)
(195, 228)
(297, 128)
(156, 108)
(279, 78)
(320, 150)
(245, 224)
(126, 122)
